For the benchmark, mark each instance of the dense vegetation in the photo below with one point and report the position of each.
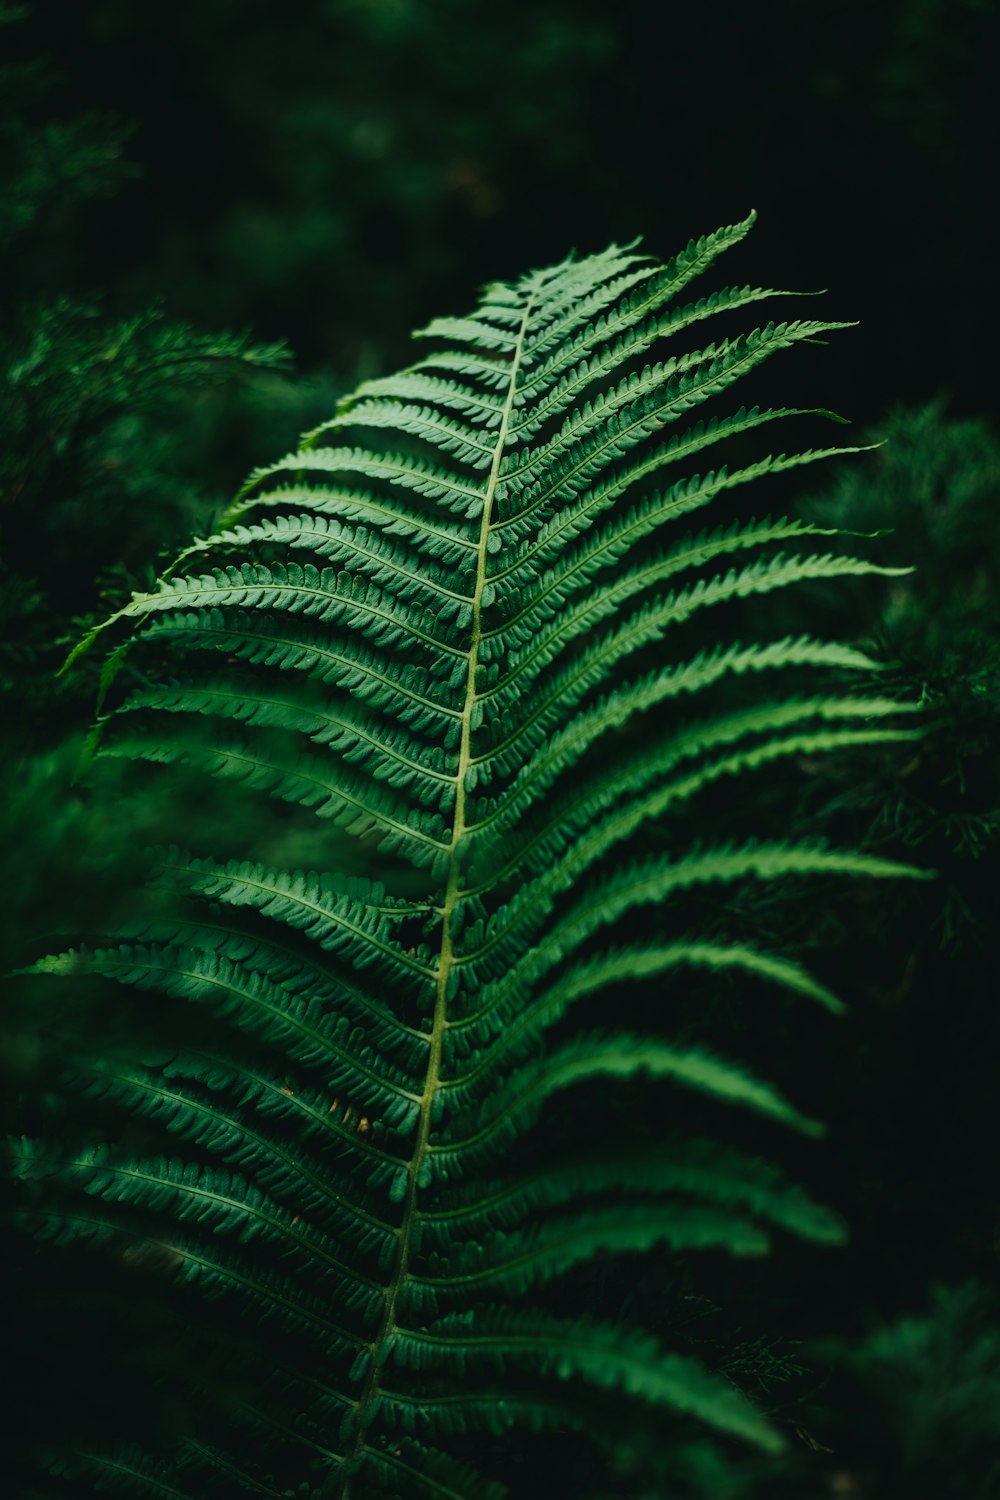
(333, 179)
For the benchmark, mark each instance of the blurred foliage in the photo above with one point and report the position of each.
(87, 431)
(50, 166)
(906, 1082)
(114, 430)
(917, 1403)
(932, 1384)
(333, 172)
(934, 490)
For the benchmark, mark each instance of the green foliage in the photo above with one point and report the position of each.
(932, 488)
(910, 1125)
(95, 405)
(921, 1420)
(50, 166)
(937, 1378)
(80, 390)
(378, 1119)
(333, 170)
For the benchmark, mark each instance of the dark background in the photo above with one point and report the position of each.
(335, 173)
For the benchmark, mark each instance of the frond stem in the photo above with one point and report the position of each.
(453, 895)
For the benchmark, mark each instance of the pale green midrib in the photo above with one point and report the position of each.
(231, 538)
(361, 461)
(296, 1024)
(273, 945)
(314, 494)
(445, 962)
(295, 1165)
(247, 1210)
(318, 653)
(335, 918)
(418, 420)
(323, 716)
(185, 598)
(231, 753)
(319, 1117)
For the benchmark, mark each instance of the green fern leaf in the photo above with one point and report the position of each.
(457, 625)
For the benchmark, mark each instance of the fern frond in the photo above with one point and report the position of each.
(464, 624)
(608, 1358)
